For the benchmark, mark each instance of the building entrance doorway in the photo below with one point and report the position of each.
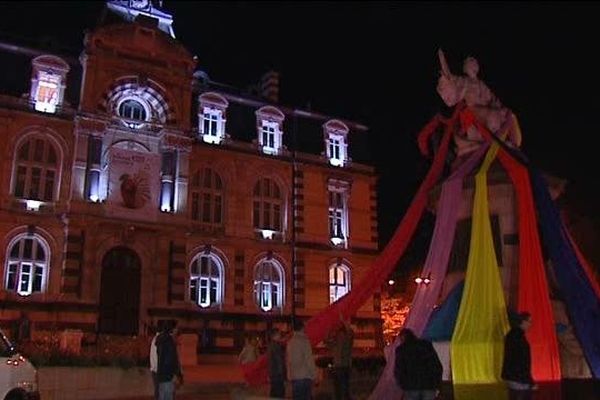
(120, 292)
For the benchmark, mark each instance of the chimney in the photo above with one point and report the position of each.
(269, 86)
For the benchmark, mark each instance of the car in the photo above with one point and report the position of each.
(18, 377)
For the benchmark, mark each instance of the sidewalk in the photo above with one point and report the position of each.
(210, 380)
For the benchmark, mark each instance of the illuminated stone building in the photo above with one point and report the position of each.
(136, 189)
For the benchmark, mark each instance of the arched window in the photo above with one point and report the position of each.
(206, 280)
(207, 197)
(339, 282)
(268, 205)
(132, 109)
(27, 265)
(36, 170)
(268, 285)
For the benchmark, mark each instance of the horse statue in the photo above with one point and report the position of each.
(480, 101)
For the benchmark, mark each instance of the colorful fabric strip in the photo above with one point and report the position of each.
(478, 340)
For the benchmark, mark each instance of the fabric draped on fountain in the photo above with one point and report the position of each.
(435, 267)
(318, 326)
(533, 293)
(477, 343)
(575, 286)
(584, 263)
(582, 301)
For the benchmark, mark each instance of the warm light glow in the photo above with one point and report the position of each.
(336, 162)
(427, 281)
(391, 282)
(267, 233)
(337, 240)
(394, 310)
(165, 201)
(33, 205)
(211, 139)
(418, 280)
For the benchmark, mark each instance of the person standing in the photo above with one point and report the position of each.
(275, 354)
(342, 360)
(516, 368)
(168, 370)
(302, 370)
(154, 363)
(418, 370)
(249, 352)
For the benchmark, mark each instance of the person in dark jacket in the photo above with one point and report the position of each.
(516, 368)
(276, 357)
(341, 346)
(418, 370)
(168, 368)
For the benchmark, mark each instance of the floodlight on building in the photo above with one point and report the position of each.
(33, 205)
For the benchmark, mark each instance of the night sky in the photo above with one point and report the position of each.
(376, 63)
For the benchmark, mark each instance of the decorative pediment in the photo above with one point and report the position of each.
(213, 99)
(270, 113)
(335, 126)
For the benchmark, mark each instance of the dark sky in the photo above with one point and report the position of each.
(376, 63)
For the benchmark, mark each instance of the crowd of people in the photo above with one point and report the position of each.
(417, 367)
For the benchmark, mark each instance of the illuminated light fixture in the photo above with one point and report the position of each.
(33, 205)
(267, 233)
(336, 240)
(426, 280)
(336, 162)
(391, 282)
(165, 201)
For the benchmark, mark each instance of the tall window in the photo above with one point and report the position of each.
(211, 117)
(46, 96)
(207, 197)
(338, 215)
(270, 137)
(336, 151)
(268, 285)
(269, 124)
(212, 126)
(268, 134)
(335, 134)
(36, 170)
(339, 282)
(27, 265)
(206, 277)
(268, 205)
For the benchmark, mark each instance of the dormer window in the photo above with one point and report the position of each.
(212, 117)
(46, 97)
(335, 133)
(269, 123)
(211, 126)
(48, 83)
(268, 137)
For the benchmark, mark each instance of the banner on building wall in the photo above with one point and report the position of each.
(133, 184)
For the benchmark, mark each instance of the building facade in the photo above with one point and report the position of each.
(135, 189)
